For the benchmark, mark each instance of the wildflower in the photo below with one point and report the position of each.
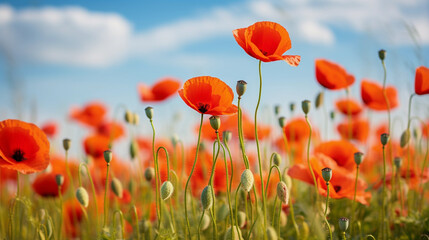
(50, 129)
(332, 76)
(357, 129)
(348, 106)
(91, 115)
(160, 91)
(373, 97)
(421, 84)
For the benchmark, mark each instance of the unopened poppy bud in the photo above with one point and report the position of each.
(327, 174)
(286, 179)
(282, 122)
(282, 192)
(292, 107)
(82, 196)
(398, 162)
(215, 122)
(277, 159)
(129, 117)
(319, 99)
(206, 197)
(358, 158)
(277, 109)
(416, 133)
(233, 233)
(283, 219)
(241, 87)
(149, 174)
(149, 112)
(108, 156)
(227, 135)
(384, 138)
(145, 226)
(332, 115)
(222, 212)
(133, 150)
(382, 54)
(116, 186)
(405, 138)
(271, 233)
(306, 104)
(241, 219)
(136, 119)
(167, 190)
(247, 180)
(205, 222)
(66, 144)
(59, 179)
(343, 224)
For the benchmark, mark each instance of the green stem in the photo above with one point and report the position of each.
(354, 199)
(106, 209)
(326, 211)
(292, 214)
(232, 166)
(383, 193)
(157, 177)
(308, 159)
(137, 222)
(269, 175)
(122, 222)
(199, 225)
(92, 188)
(61, 212)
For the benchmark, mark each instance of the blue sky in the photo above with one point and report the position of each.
(72, 52)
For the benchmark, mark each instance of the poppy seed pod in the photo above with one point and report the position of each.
(133, 149)
(82, 196)
(277, 159)
(292, 107)
(277, 109)
(215, 122)
(116, 187)
(282, 192)
(227, 135)
(205, 222)
(405, 138)
(149, 173)
(319, 99)
(66, 144)
(206, 197)
(382, 54)
(306, 104)
(241, 87)
(343, 223)
(271, 233)
(241, 219)
(129, 117)
(107, 156)
(59, 179)
(398, 162)
(327, 174)
(136, 119)
(149, 112)
(358, 156)
(233, 233)
(384, 138)
(282, 122)
(167, 190)
(247, 180)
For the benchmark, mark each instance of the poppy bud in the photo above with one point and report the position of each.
(286, 179)
(227, 135)
(277, 159)
(382, 54)
(108, 156)
(144, 226)
(247, 180)
(282, 192)
(206, 197)
(241, 219)
(215, 122)
(319, 99)
(205, 223)
(332, 115)
(304, 229)
(405, 138)
(149, 173)
(292, 107)
(149, 112)
(116, 186)
(66, 144)
(167, 190)
(241, 87)
(277, 109)
(306, 104)
(222, 213)
(129, 116)
(282, 122)
(416, 133)
(82, 196)
(283, 219)
(59, 179)
(133, 149)
(384, 138)
(327, 174)
(358, 158)
(398, 162)
(233, 233)
(174, 140)
(343, 223)
(271, 233)
(136, 119)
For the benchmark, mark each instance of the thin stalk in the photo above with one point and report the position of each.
(308, 158)
(383, 193)
(106, 205)
(122, 222)
(326, 211)
(157, 177)
(137, 221)
(354, 199)
(61, 212)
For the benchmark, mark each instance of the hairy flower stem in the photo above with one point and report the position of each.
(60, 228)
(326, 211)
(383, 194)
(157, 178)
(106, 205)
(353, 213)
(308, 159)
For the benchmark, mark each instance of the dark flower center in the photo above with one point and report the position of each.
(337, 188)
(18, 155)
(203, 107)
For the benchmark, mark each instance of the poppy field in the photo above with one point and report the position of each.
(309, 174)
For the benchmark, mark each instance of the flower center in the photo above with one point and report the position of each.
(337, 188)
(18, 155)
(203, 107)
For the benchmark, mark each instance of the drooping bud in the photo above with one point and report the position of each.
(133, 150)
(382, 54)
(282, 122)
(116, 187)
(149, 173)
(227, 135)
(319, 100)
(167, 190)
(241, 87)
(405, 138)
(282, 192)
(206, 197)
(283, 219)
(384, 138)
(82, 196)
(327, 174)
(205, 223)
(149, 112)
(306, 104)
(398, 162)
(247, 180)
(59, 179)
(271, 233)
(129, 117)
(358, 156)
(241, 219)
(108, 156)
(215, 122)
(276, 109)
(343, 224)
(277, 159)
(66, 144)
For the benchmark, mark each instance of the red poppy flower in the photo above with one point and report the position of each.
(91, 115)
(297, 130)
(23, 147)
(266, 41)
(421, 85)
(45, 185)
(50, 129)
(208, 95)
(7, 175)
(341, 151)
(348, 106)
(113, 130)
(160, 91)
(332, 76)
(372, 96)
(358, 129)
(95, 145)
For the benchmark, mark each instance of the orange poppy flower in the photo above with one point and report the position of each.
(73, 215)
(91, 115)
(45, 185)
(341, 151)
(208, 95)
(372, 96)
(23, 147)
(161, 90)
(95, 145)
(332, 76)
(7, 175)
(421, 85)
(358, 129)
(266, 41)
(113, 130)
(348, 106)
(50, 129)
(297, 130)
(425, 129)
